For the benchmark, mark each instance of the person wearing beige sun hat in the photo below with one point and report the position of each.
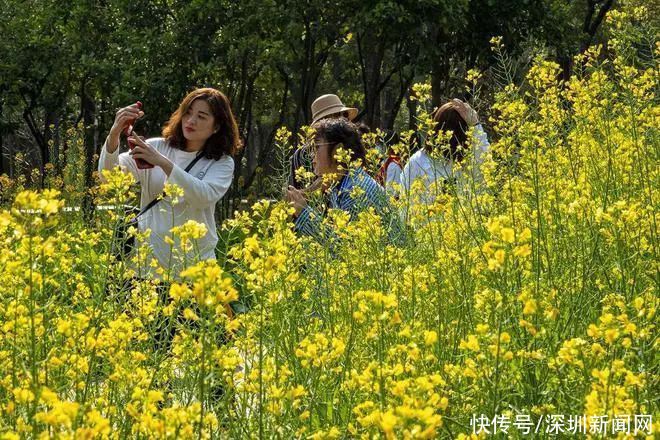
(331, 106)
(324, 107)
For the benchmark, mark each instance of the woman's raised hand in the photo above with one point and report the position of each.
(125, 116)
(468, 114)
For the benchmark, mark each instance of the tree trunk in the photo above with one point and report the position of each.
(244, 109)
(302, 115)
(387, 102)
(439, 81)
(57, 138)
(566, 65)
(38, 136)
(440, 69)
(314, 59)
(371, 52)
(405, 83)
(265, 159)
(591, 23)
(50, 116)
(103, 125)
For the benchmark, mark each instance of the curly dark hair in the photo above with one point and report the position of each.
(341, 131)
(225, 141)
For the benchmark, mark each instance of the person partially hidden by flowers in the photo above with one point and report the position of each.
(195, 154)
(324, 107)
(389, 173)
(348, 188)
(451, 160)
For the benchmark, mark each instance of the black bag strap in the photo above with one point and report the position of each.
(155, 201)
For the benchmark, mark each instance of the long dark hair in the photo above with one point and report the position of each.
(447, 118)
(225, 141)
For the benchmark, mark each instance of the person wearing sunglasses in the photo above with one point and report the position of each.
(340, 180)
(324, 107)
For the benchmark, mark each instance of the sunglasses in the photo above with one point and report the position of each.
(315, 146)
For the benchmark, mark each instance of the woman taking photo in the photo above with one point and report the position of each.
(195, 153)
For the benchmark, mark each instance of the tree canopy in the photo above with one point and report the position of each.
(69, 63)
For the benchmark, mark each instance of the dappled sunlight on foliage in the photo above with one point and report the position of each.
(532, 291)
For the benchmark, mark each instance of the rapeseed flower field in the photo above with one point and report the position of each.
(525, 304)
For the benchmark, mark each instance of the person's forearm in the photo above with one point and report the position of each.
(112, 142)
(166, 165)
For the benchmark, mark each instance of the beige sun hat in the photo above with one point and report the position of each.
(327, 105)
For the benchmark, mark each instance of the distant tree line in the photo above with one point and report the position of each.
(66, 63)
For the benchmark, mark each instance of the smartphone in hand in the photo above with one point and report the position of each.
(141, 163)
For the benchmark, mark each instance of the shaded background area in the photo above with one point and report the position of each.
(65, 67)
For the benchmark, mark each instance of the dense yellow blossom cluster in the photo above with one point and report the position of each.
(535, 294)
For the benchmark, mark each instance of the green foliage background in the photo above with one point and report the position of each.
(72, 64)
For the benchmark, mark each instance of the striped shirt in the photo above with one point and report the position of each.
(342, 196)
